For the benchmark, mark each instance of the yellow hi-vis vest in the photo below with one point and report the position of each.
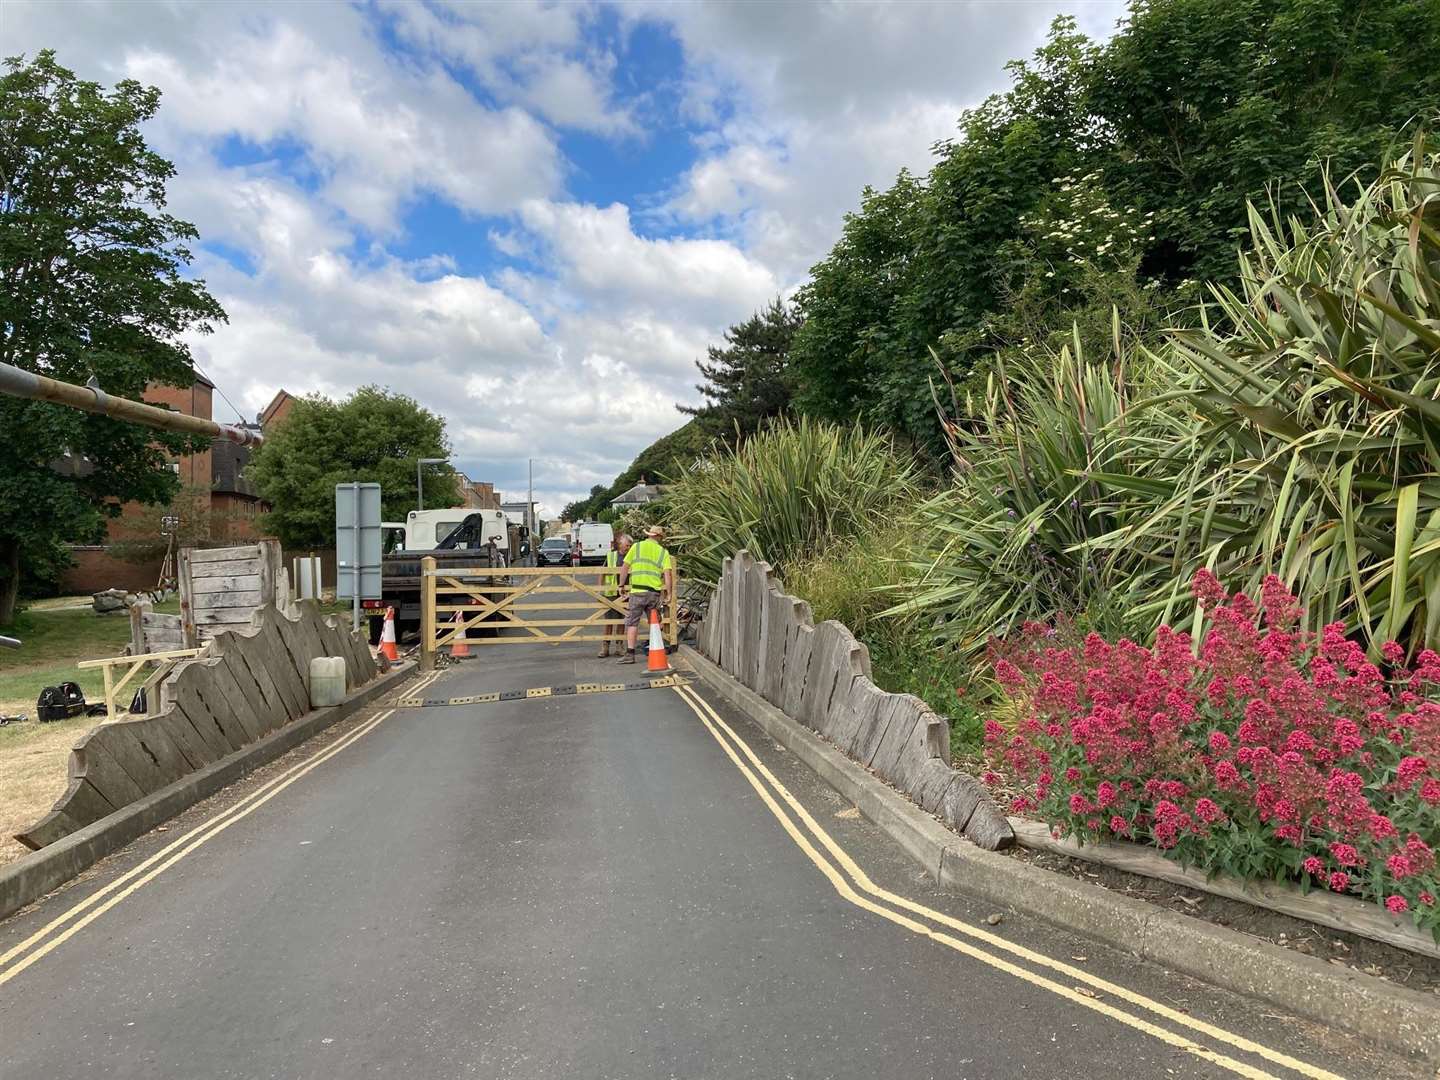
(648, 560)
(612, 581)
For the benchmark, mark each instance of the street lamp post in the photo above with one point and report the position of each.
(420, 463)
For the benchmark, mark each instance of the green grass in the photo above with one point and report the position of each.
(852, 582)
(54, 640)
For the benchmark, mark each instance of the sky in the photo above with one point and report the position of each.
(531, 217)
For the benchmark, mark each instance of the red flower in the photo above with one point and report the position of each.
(1339, 881)
(1399, 866)
(1313, 865)
(1396, 904)
(1345, 855)
(1219, 742)
(1206, 588)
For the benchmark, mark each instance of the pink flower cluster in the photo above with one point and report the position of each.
(1268, 751)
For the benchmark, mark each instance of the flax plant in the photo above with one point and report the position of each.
(1317, 452)
(787, 493)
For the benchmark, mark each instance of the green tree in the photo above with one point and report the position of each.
(373, 436)
(1208, 104)
(91, 268)
(747, 381)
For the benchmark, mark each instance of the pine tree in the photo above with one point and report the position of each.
(747, 380)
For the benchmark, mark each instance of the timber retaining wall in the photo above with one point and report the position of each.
(250, 681)
(820, 676)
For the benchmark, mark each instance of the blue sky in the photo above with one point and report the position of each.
(532, 217)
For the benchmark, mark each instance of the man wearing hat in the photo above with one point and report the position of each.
(649, 573)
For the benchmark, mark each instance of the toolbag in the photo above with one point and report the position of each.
(60, 702)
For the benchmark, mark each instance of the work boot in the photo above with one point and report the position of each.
(604, 651)
(629, 657)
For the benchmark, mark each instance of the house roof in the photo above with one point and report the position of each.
(638, 495)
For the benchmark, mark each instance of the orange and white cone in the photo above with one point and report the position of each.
(460, 648)
(659, 659)
(388, 648)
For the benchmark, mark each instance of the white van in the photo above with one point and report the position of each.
(595, 539)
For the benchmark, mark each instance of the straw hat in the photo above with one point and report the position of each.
(656, 532)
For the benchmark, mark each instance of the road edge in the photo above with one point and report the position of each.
(1401, 1020)
(40, 872)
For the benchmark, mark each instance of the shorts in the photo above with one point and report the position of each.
(640, 606)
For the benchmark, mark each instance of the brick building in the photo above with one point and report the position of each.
(213, 486)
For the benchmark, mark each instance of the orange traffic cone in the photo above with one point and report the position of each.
(459, 648)
(659, 659)
(388, 648)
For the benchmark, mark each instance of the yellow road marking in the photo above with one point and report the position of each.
(538, 691)
(189, 842)
(697, 703)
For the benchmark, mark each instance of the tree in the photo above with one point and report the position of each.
(1191, 109)
(747, 381)
(373, 436)
(91, 268)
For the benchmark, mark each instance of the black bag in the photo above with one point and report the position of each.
(60, 702)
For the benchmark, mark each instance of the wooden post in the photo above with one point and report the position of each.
(187, 600)
(427, 613)
(109, 694)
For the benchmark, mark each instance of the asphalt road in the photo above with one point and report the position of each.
(572, 887)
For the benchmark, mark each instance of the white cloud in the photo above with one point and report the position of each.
(576, 354)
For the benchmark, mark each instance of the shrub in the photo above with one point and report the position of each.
(1268, 751)
(853, 583)
(788, 492)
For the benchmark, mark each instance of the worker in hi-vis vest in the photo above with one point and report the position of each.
(618, 547)
(648, 573)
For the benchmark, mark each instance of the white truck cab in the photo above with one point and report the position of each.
(424, 529)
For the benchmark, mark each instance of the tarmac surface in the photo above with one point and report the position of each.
(601, 885)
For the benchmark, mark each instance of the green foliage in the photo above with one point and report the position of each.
(373, 436)
(791, 491)
(1191, 109)
(1009, 539)
(92, 287)
(748, 380)
(1318, 443)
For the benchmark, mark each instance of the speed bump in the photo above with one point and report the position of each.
(543, 692)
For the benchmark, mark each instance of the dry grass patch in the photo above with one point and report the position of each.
(34, 760)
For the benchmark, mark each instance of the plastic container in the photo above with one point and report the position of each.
(327, 681)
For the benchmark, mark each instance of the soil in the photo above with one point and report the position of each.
(1421, 973)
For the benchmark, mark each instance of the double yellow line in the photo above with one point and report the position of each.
(854, 886)
(62, 928)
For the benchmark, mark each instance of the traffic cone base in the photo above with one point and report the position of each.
(459, 649)
(388, 648)
(659, 660)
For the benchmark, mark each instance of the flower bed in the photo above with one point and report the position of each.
(1265, 752)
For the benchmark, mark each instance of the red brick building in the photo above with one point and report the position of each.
(213, 486)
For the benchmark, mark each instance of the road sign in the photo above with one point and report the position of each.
(357, 543)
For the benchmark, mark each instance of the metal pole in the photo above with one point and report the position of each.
(419, 486)
(355, 573)
(27, 384)
(530, 508)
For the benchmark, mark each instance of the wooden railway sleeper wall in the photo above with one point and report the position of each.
(521, 605)
(820, 676)
(250, 681)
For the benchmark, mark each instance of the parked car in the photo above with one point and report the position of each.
(555, 551)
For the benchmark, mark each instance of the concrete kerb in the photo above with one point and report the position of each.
(1400, 1020)
(31, 877)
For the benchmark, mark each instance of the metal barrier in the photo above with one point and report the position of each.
(494, 602)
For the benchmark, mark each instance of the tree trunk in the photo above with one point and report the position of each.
(9, 578)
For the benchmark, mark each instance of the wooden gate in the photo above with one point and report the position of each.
(521, 605)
